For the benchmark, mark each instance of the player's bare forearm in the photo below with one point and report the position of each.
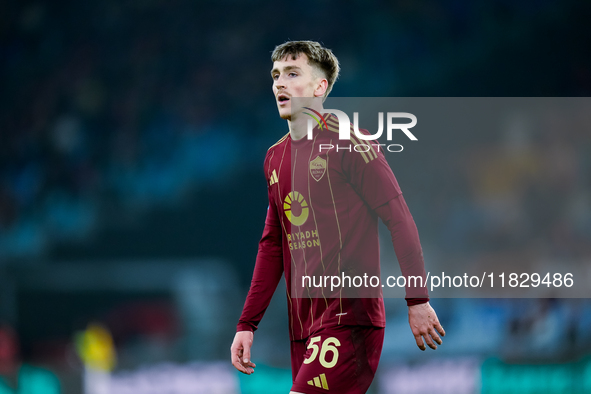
(240, 352)
(425, 324)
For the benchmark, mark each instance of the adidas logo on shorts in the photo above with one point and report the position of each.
(319, 381)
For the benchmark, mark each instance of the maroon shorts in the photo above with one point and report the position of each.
(340, 360)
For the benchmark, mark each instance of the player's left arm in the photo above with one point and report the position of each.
(375, 182)
(423, 320)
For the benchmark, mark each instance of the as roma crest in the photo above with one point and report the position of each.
(317, 168)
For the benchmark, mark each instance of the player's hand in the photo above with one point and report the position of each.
(424, 324)
(240, 352)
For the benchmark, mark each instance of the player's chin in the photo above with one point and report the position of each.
(285, 115)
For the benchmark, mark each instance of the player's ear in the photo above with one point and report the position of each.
(321, 87)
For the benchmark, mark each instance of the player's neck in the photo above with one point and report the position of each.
(298, 125)
(297, 128)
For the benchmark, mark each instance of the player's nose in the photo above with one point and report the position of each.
(278, 85)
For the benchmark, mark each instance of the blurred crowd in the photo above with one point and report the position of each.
(525, 196)
(514, 330)
(129, 102)
(109, 100)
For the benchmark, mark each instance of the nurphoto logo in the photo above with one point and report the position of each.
(345, 129)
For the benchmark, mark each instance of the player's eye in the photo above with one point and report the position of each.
(293, 74)
(275, 76)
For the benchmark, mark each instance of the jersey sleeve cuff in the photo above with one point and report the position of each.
(245, 327)
(416, 301)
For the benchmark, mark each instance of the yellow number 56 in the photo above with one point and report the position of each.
(327, 346)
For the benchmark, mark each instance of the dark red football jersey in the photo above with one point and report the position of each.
(322, 221)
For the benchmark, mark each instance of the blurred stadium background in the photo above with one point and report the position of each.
(132, 135)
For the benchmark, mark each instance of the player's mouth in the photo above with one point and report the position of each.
(283, 99)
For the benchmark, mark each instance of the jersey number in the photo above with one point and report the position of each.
(329, 345)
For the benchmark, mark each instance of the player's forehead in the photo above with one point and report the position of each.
(288, 62)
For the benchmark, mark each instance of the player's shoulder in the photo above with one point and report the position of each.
(332, 123)
(354, 146)
(280, 143)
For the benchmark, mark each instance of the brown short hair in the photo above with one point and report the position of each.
(318, 56)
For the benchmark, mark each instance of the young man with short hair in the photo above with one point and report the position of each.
(324, 219)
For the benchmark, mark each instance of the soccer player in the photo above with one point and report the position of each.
(322, 218)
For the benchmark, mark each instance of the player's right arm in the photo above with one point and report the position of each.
(267, 273)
